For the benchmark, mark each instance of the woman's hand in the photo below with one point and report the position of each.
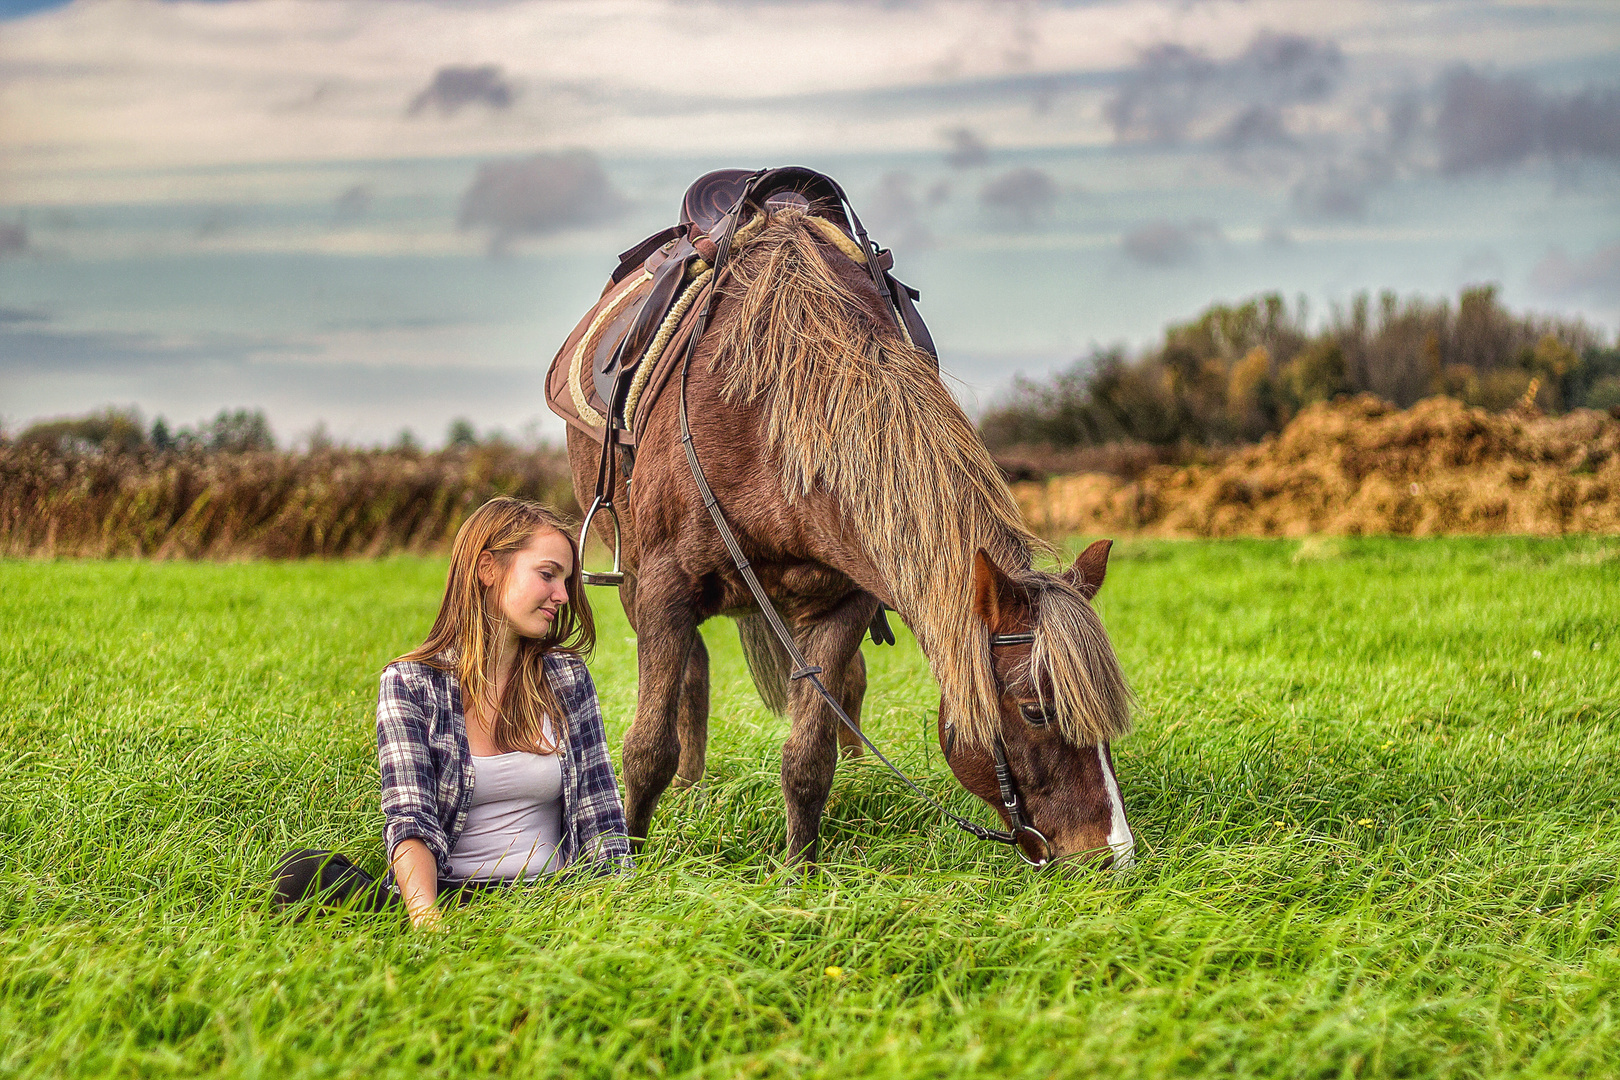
(417, 872)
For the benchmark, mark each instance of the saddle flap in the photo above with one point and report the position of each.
(623, 343)
(605, 350)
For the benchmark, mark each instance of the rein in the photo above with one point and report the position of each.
(722, 234)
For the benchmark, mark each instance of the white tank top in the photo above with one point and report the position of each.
(515, 823)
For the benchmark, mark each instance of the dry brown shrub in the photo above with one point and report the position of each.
(1126, 459)
(263, 504)
(1360, 466)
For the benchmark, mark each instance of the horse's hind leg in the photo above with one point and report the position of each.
(811, 751)
(692, 719)
(854, 693)
(665, 633)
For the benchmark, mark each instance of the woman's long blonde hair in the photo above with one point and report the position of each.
(463, 637)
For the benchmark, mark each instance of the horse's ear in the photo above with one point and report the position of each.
(995, 595)
(1090, 568)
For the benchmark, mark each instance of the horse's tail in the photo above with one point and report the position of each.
(767, 661)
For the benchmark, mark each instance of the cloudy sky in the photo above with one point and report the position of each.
(380, 215)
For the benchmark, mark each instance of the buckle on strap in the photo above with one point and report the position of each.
(1011, 639)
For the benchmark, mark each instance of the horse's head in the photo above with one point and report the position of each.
(1061, 698)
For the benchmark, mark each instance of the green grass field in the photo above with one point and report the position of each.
(1374, 785)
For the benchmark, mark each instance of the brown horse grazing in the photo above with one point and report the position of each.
(851, 476)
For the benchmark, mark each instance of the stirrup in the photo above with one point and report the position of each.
(616, 575)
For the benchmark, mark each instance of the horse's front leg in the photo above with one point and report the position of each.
(666, 629)
(811, 751)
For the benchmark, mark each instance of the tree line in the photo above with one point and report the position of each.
(123, 431)
(1239, 372)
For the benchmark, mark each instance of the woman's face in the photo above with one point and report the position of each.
(536, 585)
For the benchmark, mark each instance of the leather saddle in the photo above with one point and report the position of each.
(591, 378)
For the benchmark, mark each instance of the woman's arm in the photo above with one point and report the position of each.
(409, 784)
(417, 872)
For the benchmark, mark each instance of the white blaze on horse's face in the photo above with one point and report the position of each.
(1120, 840)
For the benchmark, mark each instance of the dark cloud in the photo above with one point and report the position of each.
(1341, 176)
(1597, 275)
(1485, 122)
(13, 316)
(316, 96)
(26, 349)
(1162, 244)
(546, 193)
(1488, 122)
(1256, 128)
(1288, 67)
(967, 149)
(1586, 124)
(453, 88)
(1021, 194)
(13, 238)
(1277, 236)
(218, 221)
(1173, 87)
(353, 204)
(895, 216)
(1336, 191)
(1162, 95)
(1403, 121)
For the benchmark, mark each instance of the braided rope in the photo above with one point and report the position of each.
(836, 237)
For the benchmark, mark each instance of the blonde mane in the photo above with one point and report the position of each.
(854, 409)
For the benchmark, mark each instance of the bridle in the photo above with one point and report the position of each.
(1004, 779)
(722, 235)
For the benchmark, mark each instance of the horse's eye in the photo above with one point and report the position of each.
(1034, 712)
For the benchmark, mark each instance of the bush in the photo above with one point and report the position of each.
(227, 503)
(1240, 372)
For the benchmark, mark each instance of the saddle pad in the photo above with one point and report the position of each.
(572, 392)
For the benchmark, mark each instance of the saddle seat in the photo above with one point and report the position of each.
(621, 354)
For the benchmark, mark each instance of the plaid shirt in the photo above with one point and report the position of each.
(427, 767)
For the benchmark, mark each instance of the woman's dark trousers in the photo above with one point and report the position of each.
(310, 874)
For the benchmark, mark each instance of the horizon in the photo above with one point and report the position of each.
(535, 436)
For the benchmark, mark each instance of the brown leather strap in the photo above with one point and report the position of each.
(633, 258)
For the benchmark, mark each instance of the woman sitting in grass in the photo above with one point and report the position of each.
(495, 766)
